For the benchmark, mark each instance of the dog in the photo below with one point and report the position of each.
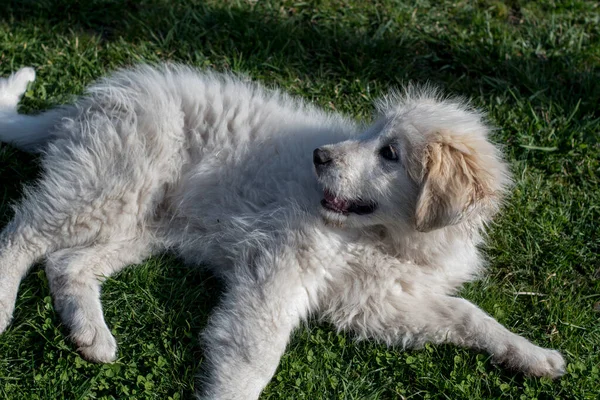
(301, 212)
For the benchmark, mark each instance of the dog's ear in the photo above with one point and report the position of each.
(455, 183)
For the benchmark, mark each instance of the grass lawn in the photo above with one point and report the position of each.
(534, 66)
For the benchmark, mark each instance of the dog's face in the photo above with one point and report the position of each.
(425, 164)
(365, 180)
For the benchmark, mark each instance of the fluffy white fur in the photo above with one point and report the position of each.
(375, 237)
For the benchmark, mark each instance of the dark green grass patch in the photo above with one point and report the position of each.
(533, 66)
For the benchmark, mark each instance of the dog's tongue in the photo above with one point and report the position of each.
(340, 204)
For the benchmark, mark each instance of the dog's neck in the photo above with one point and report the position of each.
(427, 248)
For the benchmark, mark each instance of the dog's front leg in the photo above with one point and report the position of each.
(249, 331)
(394, 316)
(462, 323)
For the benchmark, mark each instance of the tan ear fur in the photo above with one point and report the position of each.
(453, 186)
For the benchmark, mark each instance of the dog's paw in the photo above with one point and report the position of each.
(532, 360)
(13, 87)
(546, 363)
(96, 344)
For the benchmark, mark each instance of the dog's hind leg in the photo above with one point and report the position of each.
(75, 276)
(20, 248)
(52, 218)
(100, 185)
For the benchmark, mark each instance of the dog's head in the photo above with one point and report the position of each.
(425, 164)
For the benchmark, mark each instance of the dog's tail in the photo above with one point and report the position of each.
(26, 132)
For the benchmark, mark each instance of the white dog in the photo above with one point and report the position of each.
(222, 172)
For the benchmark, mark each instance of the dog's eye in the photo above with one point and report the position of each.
(389, 152)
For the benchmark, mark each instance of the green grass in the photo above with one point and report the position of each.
(533, 66)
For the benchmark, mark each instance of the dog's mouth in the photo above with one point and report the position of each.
(345, 207)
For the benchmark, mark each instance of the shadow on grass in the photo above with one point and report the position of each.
(306, 45)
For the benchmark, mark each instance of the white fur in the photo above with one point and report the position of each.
(220, 171)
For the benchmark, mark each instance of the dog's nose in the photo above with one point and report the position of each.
(321, 157)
